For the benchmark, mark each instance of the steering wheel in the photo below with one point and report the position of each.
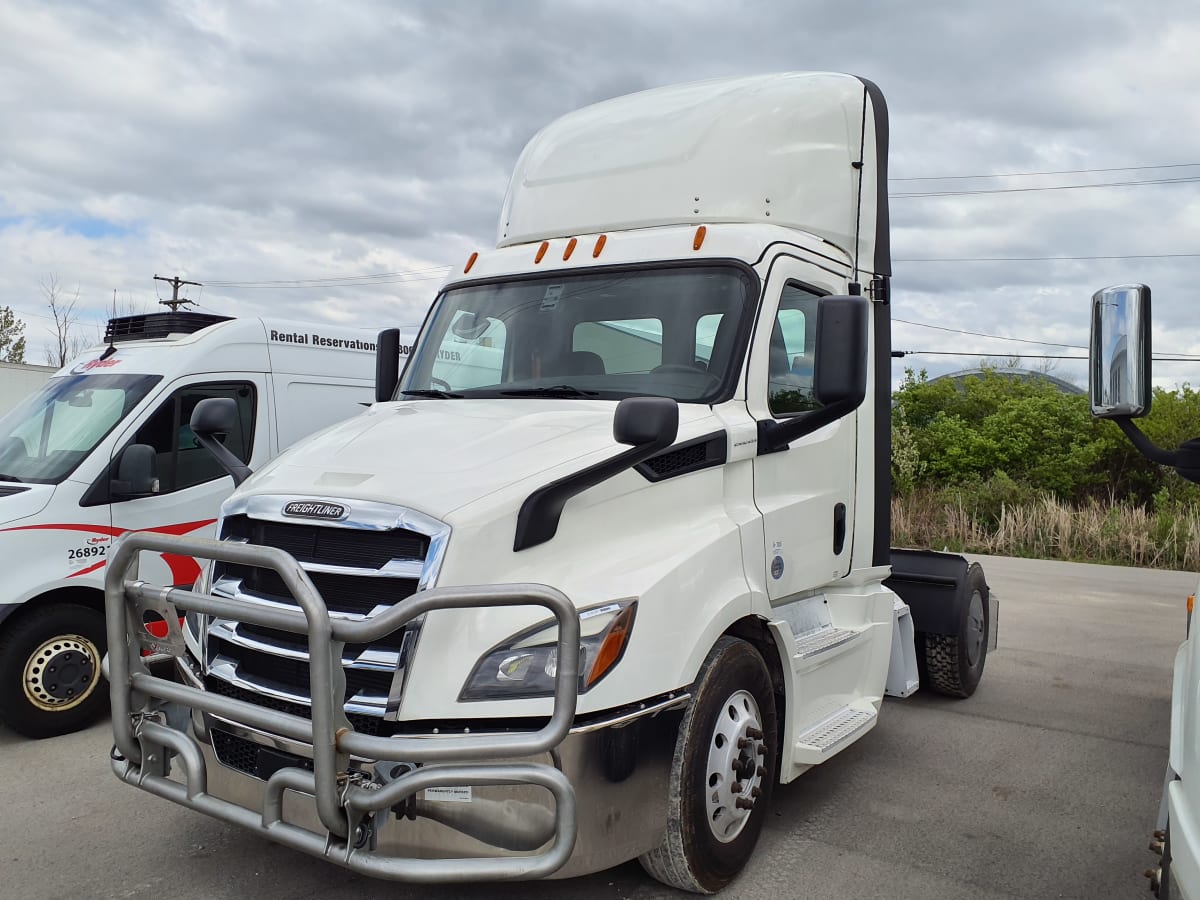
(439, 383)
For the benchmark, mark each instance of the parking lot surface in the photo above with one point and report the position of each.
(1045, 784)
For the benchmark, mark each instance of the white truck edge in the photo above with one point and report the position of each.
(1119, 387)
(658, 410)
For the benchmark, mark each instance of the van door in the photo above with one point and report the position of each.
(806, 492)
(191, 484)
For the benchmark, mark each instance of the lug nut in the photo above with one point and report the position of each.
(1156, 847)
(743, 803)
(744, 743)
(737, 787)
(754, 733)
(755, 793)
(761, 772)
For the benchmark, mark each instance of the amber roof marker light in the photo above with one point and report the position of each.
(698, 240)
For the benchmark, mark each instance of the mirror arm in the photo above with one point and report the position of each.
(774, 435)
(1144, 445)
(537, 520)
(237, 469)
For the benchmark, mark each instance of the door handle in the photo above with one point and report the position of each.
(839, 528)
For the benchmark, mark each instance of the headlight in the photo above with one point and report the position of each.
(525, 664)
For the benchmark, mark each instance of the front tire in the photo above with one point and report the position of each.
(50, 681)
(722, 775)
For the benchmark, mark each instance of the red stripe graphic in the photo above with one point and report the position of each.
(184, 569)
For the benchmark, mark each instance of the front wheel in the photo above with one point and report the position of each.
(722, 774)
(50, 681)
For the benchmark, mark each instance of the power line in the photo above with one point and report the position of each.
(902, 353)
(334, 280)
(1045, 258)
(999, 337)
(1053, 187)
(1056, 172)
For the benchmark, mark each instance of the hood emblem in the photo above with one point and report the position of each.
(315, 509)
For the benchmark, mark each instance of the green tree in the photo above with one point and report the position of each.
(12, 336)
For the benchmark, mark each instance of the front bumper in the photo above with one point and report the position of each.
(426, 808)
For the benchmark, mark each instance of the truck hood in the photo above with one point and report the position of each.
(20, 501)
(435, 456)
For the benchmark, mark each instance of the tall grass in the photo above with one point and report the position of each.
(1047, 528)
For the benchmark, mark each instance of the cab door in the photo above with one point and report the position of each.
(805, 493)
(191, 485)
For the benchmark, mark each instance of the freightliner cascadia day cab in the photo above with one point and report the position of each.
(104, 448)
(1120, 389)
(609, 559)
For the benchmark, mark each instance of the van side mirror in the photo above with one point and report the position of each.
(840, 376)
(1119, 352)
(137, 473)
(214, 416)
(387, 364)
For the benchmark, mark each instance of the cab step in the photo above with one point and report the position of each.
(834, 733)
(816, 642)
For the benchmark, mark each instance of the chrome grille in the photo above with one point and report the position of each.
(366, 563)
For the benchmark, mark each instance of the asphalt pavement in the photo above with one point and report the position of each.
(1045, 784)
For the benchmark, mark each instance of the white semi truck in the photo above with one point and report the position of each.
(1120, 389)
(105, 448)
(594, 602)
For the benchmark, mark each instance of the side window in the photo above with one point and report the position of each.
(472, 353)
(182, 462)
(622, 346)
(792, 353)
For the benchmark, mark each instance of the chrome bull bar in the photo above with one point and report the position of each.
(346, 803)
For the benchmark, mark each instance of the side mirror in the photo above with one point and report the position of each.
(137, 473)
(387, 364)
(645, 420)
(840, 376)
(213, 416)
(1119, 352)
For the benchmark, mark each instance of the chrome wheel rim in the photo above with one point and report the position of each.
(61, 673)
(735, 772)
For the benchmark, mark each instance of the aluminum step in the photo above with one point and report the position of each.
(832, 734)
(817, 642)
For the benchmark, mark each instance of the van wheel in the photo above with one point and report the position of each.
(50, 681)
(953, 663)
(722, 774)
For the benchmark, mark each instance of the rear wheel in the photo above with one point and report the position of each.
(952, 664)
(50, 682)
(722, 774)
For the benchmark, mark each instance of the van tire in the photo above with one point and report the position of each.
(732, 702)
(65, 639)
(952, 664)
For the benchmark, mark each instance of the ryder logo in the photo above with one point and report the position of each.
(94, 364)
(312, 509)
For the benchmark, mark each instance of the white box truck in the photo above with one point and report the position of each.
(610, 561)
(1119, 384)
(19, 380)
(105, 447)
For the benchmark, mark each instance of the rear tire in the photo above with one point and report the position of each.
(952, 664)
(50, 681)
(722, 775)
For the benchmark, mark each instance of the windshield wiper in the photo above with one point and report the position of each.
(4, 477)
(433, 392)
(557, 390)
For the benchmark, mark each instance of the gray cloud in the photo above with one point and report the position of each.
(285, 141)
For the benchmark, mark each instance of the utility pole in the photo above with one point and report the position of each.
(176, 283)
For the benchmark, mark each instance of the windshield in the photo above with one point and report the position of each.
(44, 438)
(676, 332)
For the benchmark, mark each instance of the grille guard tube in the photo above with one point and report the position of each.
(339, 806)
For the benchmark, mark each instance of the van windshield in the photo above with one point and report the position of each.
(672, 332)
(44, 438)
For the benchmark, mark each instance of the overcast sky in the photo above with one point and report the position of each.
(271, 141)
